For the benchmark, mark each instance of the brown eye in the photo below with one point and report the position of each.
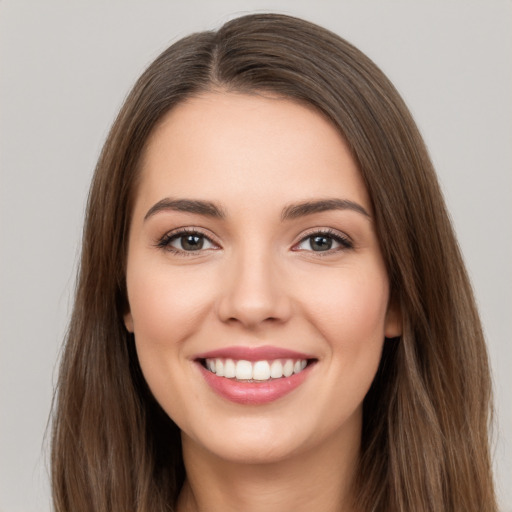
(191, 242)
(186, 242)
(324, 242)
(320, 243)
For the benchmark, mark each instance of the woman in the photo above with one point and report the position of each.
(272, 312)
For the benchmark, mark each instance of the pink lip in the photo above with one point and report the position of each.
(253, 353)
(253, 393)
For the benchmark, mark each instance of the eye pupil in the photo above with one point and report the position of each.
(321, 243)
(192, 242)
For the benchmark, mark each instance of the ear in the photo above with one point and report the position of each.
(128, 321)
(393, 323)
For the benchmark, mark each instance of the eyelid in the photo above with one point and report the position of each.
(164, 241)
(338, 236)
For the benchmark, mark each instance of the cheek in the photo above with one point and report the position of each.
(349, 308)
(351, 321)
(166, 305)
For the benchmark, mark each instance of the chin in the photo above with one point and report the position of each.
(270, 440)
(245, 449)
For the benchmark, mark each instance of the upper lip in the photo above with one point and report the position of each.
(261, 353)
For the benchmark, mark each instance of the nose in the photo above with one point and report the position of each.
(254, 293)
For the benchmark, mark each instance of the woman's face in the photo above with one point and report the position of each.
(258, 295)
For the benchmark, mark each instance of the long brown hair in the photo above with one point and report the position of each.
(425, 420)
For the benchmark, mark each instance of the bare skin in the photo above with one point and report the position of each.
(252, 228)
(290, 485)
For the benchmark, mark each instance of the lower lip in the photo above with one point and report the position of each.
(254, 393)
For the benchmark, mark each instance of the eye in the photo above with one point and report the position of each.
(324, 241)
(186, 241)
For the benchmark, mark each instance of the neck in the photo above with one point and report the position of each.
(320, 479)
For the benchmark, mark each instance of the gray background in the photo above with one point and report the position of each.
(65, 68)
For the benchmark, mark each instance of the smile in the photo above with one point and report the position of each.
(254, 375)
(255, 371)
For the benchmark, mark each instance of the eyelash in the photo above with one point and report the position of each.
(344, 241)
(165, 242)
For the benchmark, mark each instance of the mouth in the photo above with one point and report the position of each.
(263, 370)
(254, 376)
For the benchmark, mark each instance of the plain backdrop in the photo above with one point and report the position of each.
(65, 68)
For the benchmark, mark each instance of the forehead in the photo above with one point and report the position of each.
(242, 148)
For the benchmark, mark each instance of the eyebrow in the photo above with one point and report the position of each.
(205, 208)
(292, 211)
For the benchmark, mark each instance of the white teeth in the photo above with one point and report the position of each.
(287, 368)
(299, 366)
(243, 370)
(229, 369)
(261, 370)
(258, 370)
(219, 367)
(276, 369)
